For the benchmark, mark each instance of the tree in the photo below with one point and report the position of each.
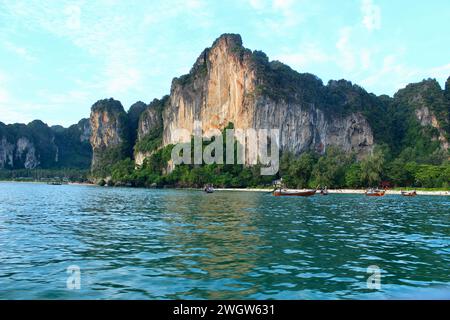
(330, 169)
(372, 168)
(353, 176)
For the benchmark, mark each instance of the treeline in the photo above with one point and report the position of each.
(69, 175)
(338, 170)
(334, 169)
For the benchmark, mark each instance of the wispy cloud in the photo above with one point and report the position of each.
(10, 111)
(346, 59)
(371, 15)
(257, 4)
(280, 16)
(118, 39)
(73, 14)
(307, 55)
(19, 51)
(392, 74)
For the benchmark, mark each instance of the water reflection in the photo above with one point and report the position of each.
(217, 242)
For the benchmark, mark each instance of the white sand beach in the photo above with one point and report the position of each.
(348, 191)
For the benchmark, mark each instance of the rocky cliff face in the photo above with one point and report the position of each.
(109, 133)
(149, 131)
(229, 83)
(430, 106)
(36, 145)
(84, 127)
(427, 118)
(17, 154)
(6, 154)
(26, 153)
(151, 118)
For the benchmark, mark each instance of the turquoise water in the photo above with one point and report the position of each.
(169, 244)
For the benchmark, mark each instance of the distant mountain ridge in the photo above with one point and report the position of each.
(36, 145)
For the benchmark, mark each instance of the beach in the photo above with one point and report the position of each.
(348, 191)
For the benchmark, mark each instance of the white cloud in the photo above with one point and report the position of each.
(257, 4)
(306, 56)
(57, 99)
(73, 14)
(10, 116)
(20, 51)
(346, 59)
(195, 4)
(283, 4)
(393, 74)
(11, 110)
(121, 79)
(366, 58)
(441, 72)
(371, 15)
(286, 8)
(279, 16)
(4, 94)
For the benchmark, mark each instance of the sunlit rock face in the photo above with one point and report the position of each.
(229, 83)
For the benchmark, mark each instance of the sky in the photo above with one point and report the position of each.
(57, 58)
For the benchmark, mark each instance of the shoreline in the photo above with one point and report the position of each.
(346, 191)
(330, 191)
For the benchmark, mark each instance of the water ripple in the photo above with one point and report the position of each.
(167, 244)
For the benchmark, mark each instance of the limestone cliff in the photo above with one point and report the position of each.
(110, 134)
(149, 131)
(229, 83)
(84, 127)
(17, 154)
(430, 106)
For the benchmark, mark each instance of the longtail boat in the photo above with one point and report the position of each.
(282, 193)
(375, 193)
(54, 183)
(208, 189)
(409, 193)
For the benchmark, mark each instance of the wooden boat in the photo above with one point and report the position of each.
(375, 193)
(409, 193)
(283, 192)
(55, 183)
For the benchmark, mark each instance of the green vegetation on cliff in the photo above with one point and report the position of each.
(152, 117)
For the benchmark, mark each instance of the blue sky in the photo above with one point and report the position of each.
(58, 57)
